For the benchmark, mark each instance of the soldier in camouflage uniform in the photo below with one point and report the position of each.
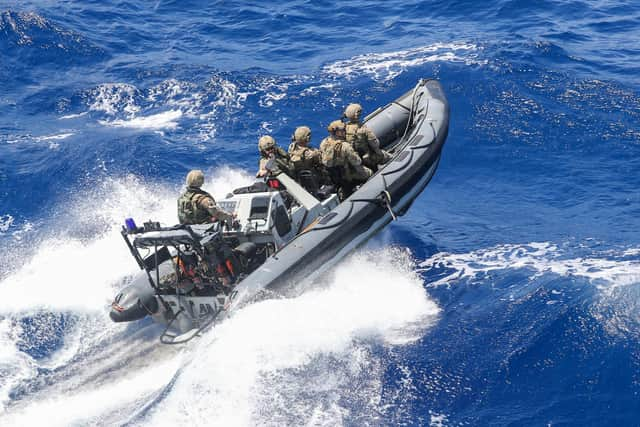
(196, 206)
(269, 150)
(342, 162)
(363, 140)
(307, 161)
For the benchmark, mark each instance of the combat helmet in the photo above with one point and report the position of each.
(265, 143)
(302, 134)
(335, 126)
(195, 178)
(353, 111)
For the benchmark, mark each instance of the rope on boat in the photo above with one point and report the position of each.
(383, 199)
(387, 201)
(421, 82)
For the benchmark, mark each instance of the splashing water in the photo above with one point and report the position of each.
(76, 277)
(250, 365)
(283, 360)
(257, 365)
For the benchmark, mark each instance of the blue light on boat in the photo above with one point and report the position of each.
(131, 224)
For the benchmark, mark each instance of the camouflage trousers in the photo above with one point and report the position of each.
(373, 159)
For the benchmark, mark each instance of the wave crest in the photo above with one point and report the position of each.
(387, 66)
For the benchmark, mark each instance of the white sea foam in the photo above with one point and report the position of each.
(129, 106)
(83, 271)
(228, 97)
(78, 277)
(255, 368)
(273, 90)
(22, 230)
(267, 127)
(437, 420)
(313, 90)
(73, 116)
(5, 223)
(387, 66)
(295, 359)
(164, 120)
(176, 94)
(631, 252)
(54, 137)
(228, 94)
(91, 406)
(15, 366)
(538, 258)
(169, 89)
(71, 274)
(113, 98)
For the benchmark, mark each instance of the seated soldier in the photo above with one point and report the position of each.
(363, 140)
(269, 150)
(342, 162)
(196, 206)
(307, 161)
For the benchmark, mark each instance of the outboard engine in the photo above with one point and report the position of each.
(246, 255)
(132, 304)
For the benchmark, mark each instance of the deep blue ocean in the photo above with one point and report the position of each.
(508, 295)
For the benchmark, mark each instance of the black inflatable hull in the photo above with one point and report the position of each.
(134, 302)
(416, 156)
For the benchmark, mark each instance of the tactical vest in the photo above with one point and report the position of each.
(358, 140)
(189, 212)
(301, 157)
(282, 161)
(332, 153)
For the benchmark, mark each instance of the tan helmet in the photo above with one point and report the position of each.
(335, 126)
(353, 111)
(195, 178)
(266, 142)
(302, 134)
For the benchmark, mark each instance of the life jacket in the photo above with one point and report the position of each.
(189, 212)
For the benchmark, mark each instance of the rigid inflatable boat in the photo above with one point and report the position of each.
(194, 276)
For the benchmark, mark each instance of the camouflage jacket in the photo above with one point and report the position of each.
(304, 158)
(196, 206)
(283, 163)
(362, 139)
(338, 154)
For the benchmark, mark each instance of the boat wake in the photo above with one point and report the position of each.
(64, 361)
